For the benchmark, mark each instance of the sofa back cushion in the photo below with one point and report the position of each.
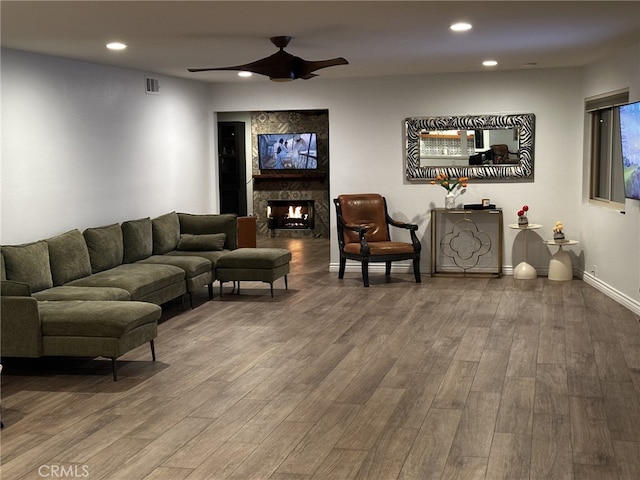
(105, 246)
(28, 263)
(69, 257)
(166, 233)
(206, 242)
(226, 223)
(137, 239)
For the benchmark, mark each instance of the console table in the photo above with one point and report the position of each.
(466, 242)
(525, 271)
(560, 268)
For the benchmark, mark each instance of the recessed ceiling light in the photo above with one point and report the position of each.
(244, 74)
(116, 46)
(460, 27)
(489, 63)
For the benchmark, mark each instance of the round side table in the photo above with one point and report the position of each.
(525, 271)
(560, 268)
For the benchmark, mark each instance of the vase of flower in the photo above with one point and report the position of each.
(450, 201)
(558, 234)
(453, 186)
(523, 221)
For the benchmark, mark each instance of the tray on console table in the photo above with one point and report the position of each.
(466, 242)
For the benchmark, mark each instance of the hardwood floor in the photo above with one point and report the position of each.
(453, 378)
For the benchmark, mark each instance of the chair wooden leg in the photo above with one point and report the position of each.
(113, 369)
(271, 285)
(416, 270)
(210, 288)
(286, 284)
(343, 263)
(387, 270)
(365, 273)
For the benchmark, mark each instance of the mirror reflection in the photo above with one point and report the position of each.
(473, 146)
(441, 148)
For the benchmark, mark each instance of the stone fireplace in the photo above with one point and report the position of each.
(306, 189)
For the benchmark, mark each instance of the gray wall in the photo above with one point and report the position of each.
(83, 145)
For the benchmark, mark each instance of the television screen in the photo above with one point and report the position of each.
(287, 151)
(630, 137)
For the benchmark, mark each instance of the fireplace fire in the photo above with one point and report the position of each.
(290, 214)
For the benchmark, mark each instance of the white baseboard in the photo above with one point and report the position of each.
(611, 292)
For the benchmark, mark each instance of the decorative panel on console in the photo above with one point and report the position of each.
(466, 242)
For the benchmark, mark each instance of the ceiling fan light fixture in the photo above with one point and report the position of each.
(461, 27)
(116, 46)
(244, 73)
(490, 63)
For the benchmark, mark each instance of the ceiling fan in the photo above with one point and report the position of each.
(282, 66)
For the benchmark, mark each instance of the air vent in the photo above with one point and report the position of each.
(152, 85)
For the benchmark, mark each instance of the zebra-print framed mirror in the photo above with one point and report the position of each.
(489, 147)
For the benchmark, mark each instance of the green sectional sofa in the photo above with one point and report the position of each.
(98, 292)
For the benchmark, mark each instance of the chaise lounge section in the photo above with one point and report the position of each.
(74, 328)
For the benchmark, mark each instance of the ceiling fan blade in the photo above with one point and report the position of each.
(281, 66)
(278, 65)
(312, 66)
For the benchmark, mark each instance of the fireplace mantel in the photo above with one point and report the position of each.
(290, 176)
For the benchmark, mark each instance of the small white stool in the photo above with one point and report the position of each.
(560, 268)
(524, 270)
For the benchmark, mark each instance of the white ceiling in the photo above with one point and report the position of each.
(376, 37)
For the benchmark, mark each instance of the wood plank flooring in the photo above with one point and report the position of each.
(454, 378)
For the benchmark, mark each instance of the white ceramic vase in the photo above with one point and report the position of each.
(450, 201)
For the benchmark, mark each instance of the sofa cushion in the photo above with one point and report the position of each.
(105, 246)
(95, 318)
(137, 239)
(205, 242)
(213, 257)
(255, 258)
(191, 264)
(139, 279)
(198, 224)
(166, 233)
(66, 292)
(69, 257)
(28, 263)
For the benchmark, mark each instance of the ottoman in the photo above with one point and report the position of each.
(97, 328)
(254, 264)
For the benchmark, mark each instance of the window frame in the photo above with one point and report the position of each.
(608, 161)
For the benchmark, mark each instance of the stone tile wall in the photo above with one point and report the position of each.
(293, 187)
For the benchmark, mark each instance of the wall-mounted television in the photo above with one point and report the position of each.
(287, 151)
(630, 137)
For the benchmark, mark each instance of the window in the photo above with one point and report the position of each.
(606, 179)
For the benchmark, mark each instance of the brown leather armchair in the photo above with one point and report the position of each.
(363, 234)
(501, 153)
